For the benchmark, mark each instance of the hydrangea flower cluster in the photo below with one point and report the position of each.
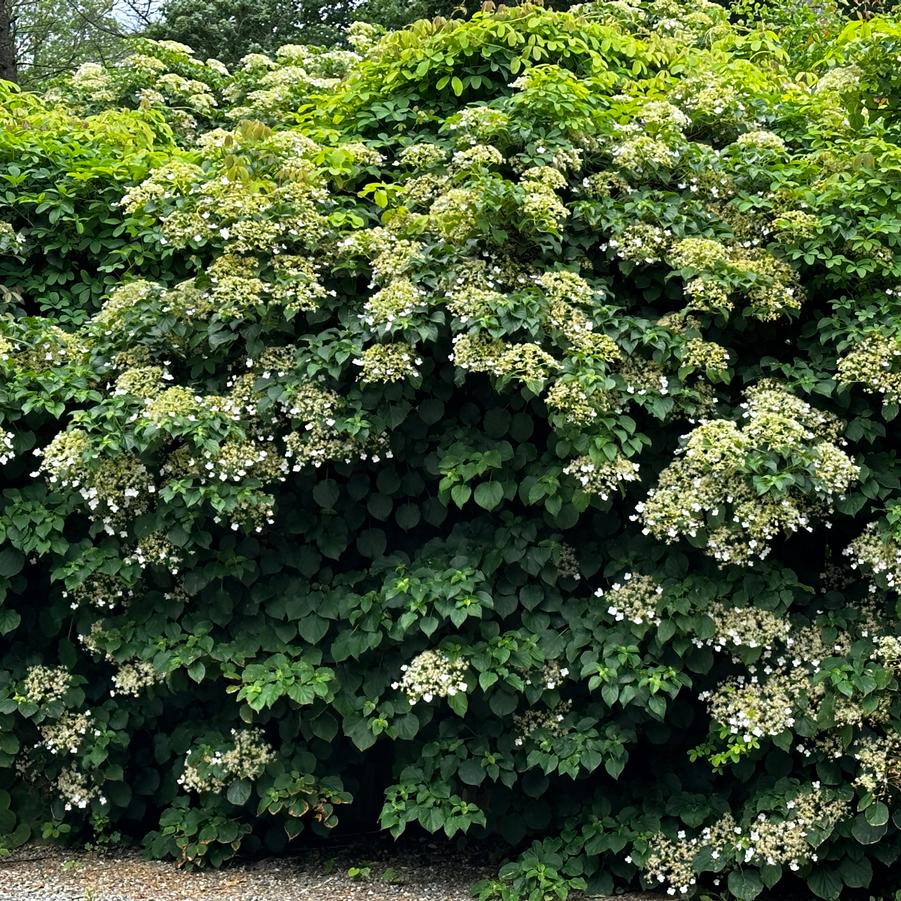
(879, 760)
(454, 214)
(7, 449)
(44, 684)
(526, 362)
(670, 860)
(210, 768)
(751, 710)
(746, 627)
(641, 155)
(768, 700)
(430, 675)
(196, 207)
(267, 88)
(476, 124)
(388, 363)
(717, 272)
(568, 563)
(142, 382)
(888, 652)
(12, 242)
(877, 552)
(717, 488)
(565, 292)
(840, 80)
(873, 363)
(423, 156)
(76, 789)
(635, 599)
(93, 81)
(784, 837)
(761, 140)
(552, 676)
(578, 405)
(541, 207)
(114, 489)
(156, 550)
(602, 478)
(100, 590)
(700, 354)
(395, 305)
(317, 410)
(65, 735)
(64, 460)
(133, 677)
(531, 721)
(640, 242)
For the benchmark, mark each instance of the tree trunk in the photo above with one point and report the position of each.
(8, 68)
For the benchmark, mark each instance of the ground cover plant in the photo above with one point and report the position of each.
(488, 430)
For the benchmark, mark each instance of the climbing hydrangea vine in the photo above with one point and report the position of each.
(488, 429)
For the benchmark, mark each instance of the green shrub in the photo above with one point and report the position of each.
(489, 431)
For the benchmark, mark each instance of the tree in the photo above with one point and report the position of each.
(8, 60)
(393, 14)
(228, 29)
(43, 39)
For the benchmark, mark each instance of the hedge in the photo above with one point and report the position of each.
(486, 431)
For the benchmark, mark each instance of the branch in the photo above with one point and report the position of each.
(103, 25)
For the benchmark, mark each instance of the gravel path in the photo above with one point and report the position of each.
(421, 872)
(49, 873)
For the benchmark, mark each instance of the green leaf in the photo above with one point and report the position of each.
(312, 628)
(9, 620)
(745, 884)
(825, 884)
(293, 827)
(324, 726)
(431, 819)
(301, 694)
(407, 516)
(239, 792)
(502, 703)
(460, 494)
(379, 505)
(866, 833)
(877, 814)
(471, 772)
(406, 727)
(487, 679)
(326, 493)
(197, 671)
(459, 703)
(855, 873)
(489, 494)
(11, 562)
(358, 731)
(770, 874)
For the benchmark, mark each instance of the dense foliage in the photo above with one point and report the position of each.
(489, 429)
(229, 29)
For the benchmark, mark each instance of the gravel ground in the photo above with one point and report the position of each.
(424, 872)
(428, 873)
